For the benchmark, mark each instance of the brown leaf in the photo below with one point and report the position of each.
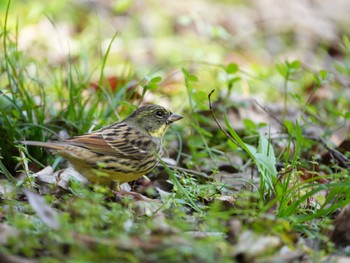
(234, 230)
(341, 233)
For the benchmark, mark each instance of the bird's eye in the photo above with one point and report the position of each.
(159, 113)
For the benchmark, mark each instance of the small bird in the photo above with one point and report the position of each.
(121, 152)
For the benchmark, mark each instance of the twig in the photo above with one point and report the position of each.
(270, 114)
(335, 153)
(217, 122)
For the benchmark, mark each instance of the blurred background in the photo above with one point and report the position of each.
(148, 37)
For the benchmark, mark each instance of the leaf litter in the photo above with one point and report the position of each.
(236, 182)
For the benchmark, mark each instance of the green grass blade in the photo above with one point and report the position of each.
(180, 187)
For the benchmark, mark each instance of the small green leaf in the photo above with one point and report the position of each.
(156, 79)
(193, 78)
(152, 86)
(282, 69)
(189, 76)
(323, 73)
(295, 64)
(347, 115)
(122, 6)
(299, 140)
(185, 72)
(289, 126)
(232, 68)
(249, 124)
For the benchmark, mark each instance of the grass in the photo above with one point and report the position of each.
(191, 218)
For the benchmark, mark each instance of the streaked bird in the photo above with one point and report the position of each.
(121, 152)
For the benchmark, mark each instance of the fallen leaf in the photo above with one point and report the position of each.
(234, 230)
(251, 245)
(44, 173)
(161, 225)
(46, 213)
(147, 206)
(169, 161)
(6, 187)
(69, 174)
(341, 233)
(45, 179)
(285, 255)
(7, 231)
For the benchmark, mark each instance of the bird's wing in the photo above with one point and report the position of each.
(128, 140)
(119, 140)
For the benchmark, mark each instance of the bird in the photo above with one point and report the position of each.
(118, 153)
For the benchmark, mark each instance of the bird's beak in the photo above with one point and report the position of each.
(174, 117)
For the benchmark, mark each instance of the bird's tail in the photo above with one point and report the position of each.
(50, 145)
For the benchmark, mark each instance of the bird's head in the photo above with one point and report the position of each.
(153, 119)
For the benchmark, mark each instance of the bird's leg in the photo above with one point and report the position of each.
(115, 186)
(124, 190)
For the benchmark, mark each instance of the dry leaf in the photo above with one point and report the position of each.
(46, 213)
(125, 187)
(161, 226)
(286, 255)
(341, 233)
(147, 206)
(169, 161)
(252, 245)
(45, 176)
(69, 174)
(234, 230)
(6, 187)
(7, 231)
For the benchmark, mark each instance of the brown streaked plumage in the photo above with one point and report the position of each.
(121, 152)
